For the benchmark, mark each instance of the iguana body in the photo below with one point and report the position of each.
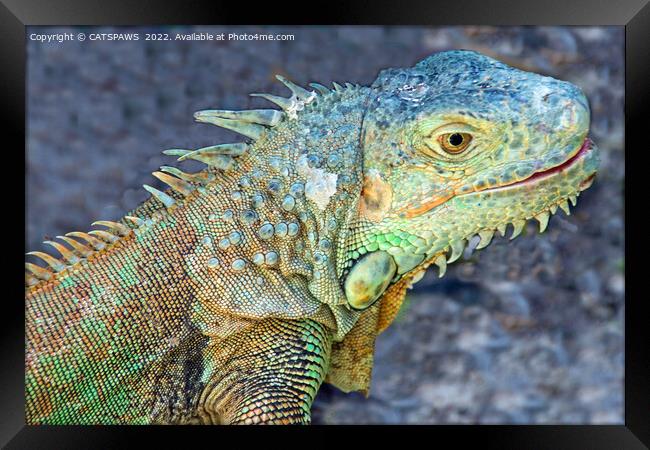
(232, 296)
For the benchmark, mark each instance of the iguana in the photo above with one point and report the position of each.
(231, 296)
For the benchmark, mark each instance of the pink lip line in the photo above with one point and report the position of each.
(586, 146)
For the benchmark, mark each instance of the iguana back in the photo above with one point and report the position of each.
(135, 326)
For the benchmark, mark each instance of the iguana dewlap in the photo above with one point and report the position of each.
(231, 296)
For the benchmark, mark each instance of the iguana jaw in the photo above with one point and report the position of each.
(575, 157)
(547, 190)
(582, 152)
(445, 230)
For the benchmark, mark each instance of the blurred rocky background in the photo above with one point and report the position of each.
(524, 332)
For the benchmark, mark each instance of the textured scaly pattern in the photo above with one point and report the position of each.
(231, 296)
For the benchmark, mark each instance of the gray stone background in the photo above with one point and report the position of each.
(524, 332)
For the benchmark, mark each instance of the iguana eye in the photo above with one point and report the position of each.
(454, 143)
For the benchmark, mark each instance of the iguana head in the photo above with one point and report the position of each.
(456, 146)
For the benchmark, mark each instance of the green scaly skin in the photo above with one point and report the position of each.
(233, 295)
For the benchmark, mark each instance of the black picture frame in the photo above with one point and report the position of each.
(15, 15)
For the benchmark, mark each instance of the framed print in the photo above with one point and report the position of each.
(389, 219)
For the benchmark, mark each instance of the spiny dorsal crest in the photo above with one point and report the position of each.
(250, 123)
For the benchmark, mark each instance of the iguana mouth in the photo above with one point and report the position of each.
(581, 152)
